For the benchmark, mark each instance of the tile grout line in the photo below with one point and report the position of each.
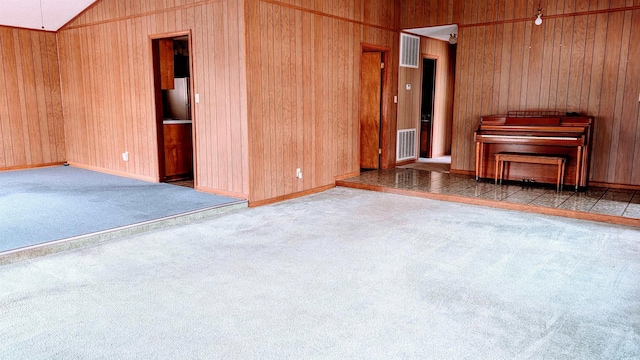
(597, 201)
(628, 203)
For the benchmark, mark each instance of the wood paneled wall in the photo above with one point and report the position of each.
(107, 82)
(303, 86)
(423, 13)
(580, 59)
(31, 124)
(409, 102)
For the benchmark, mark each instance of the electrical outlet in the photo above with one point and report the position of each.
(125, 156)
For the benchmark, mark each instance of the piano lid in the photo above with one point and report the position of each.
(535, 119)
(528, 129)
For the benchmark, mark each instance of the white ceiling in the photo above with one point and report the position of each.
(26, 13)
(436, 32)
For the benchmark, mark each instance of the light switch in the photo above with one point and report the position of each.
(408, 86)
(197, 98)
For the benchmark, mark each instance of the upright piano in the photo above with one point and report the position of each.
(535, 132)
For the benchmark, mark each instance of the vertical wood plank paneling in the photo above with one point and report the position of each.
(6, 150)
(26, 90)
(629, 127)
(576, 69)
(602, 142)
(40, 122)
(476, 107)
(505, 72)
(577, 63)
(107, 115)
(585, 93)
(554, 40)
(526, 53)
(496, 47)
(536, 51)
(305, 98)
(595, 91)
(459, 104)
(615, 155)
(488, 59)
(515, 68)
(19, 138)
(30, 104)
(633, 112)
(255, 128)
(564, 65)
(288, 167)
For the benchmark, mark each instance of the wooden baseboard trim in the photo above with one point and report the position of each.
(614, 186)
(618, 220)
(232, 194)
(403, 163)
(114, 172)
(290, 196)
(26, 167)
(346, 176)
(462, 172)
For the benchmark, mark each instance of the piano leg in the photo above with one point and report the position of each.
(477, 159)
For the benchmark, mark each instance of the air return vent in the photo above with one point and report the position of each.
(409, 50)
(406, 145)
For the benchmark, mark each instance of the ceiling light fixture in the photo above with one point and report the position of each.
(538, 20)
(453, 39)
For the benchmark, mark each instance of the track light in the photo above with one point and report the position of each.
(453, 39)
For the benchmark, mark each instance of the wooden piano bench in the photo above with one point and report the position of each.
(503, 157)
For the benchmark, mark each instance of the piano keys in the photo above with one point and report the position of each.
(535, 132)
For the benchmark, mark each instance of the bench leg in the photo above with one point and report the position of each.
(559, 175)
(562, 179)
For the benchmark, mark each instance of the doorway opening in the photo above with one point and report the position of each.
(174, 115)
(434, 122)
(426, 107)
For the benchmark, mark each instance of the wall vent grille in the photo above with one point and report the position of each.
(406, 145)
(409, 50)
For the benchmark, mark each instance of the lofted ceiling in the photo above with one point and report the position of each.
(27, 14)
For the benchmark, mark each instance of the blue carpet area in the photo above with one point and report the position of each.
(46, 204)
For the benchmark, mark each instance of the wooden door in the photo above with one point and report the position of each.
(370, 109)
(178, 151)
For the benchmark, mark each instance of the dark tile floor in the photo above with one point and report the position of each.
(616, 202)
(183, 183)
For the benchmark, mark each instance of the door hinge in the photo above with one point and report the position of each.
(379, 151)
(381, 65)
